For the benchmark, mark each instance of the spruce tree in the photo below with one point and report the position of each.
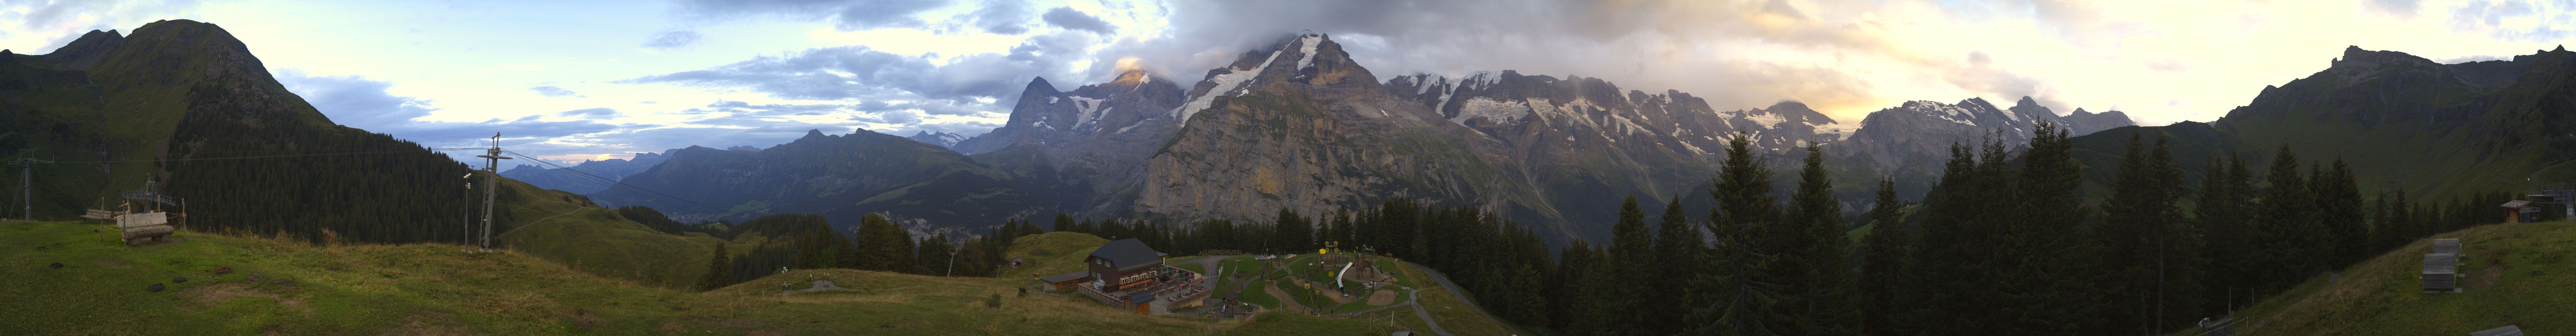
(2045, 264)
(1949, 275)
(2339, 209)
(1738, 288)
(2223, 211)
(2150, 251)
(2287, 232)
(1823, 292)
(1627, 266)
(1882, 282)
(719, 270)
(1677, 246)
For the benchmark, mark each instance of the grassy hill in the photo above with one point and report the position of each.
(286, 287)
(570, 230)
(2517, 274)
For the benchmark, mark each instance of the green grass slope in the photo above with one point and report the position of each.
(568, 229)
(284, 287)
(2518, 274)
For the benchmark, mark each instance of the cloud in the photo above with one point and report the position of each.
(1067, 18)
(1004, 17)
(363, 103)
(865, 74)
(589, 113)
(846, 15)
(672, 40)
(2398, 7)
(551, 91)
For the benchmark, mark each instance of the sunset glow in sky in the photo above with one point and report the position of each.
(573, 80)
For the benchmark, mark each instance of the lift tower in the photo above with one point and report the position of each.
(491, 185)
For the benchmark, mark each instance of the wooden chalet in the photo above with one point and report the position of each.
(1123, 263)
(2521, 211)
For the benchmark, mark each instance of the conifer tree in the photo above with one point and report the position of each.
(2223, 213)
(719, 270)
(1882, 282)
(2151, 252)
(1064, 223)
(1823, 292)
(1627, 267)
(2339, 209)
(2287, 237)
(1736, 292)
(1677, 246)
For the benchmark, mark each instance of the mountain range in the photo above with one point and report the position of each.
(575, 181)
(1299, 125)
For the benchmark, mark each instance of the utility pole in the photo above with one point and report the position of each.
(491, 186)
(26, 183)
(952, 264)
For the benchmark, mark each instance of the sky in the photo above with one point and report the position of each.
(570, 81)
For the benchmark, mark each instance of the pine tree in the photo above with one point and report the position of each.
(2149, 249)
(1677, 248)
(1064, 223)
(2287, 243)
(2223, 212)
(2339, 209)
(1883, 273)
(1627, 266)
(1295, 232)
(1738, 287)
(1823, 293)
(719, 270)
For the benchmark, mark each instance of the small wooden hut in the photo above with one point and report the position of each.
(2447, 245)
(2441, 273)
(2520, 211)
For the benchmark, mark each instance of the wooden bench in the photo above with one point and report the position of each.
(139, 235)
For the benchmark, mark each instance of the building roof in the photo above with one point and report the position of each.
(1064, 277)
(1140, 298)
(2447, 245)
(1128, 254)
(2517, 204)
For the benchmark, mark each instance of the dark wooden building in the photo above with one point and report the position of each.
(1123, 263)
(2520, 211)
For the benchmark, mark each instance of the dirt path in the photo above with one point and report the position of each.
(1381, 297)
(1288, 302)
(1337, 297)
(1426, 315)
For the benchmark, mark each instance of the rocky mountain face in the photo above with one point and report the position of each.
(943, 139)
(1301, 126)
(1584, 143)
(1918, 134)
(611, 169)
(841, 177)
(1097, 136)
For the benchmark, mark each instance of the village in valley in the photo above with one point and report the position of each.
(1227, 284)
